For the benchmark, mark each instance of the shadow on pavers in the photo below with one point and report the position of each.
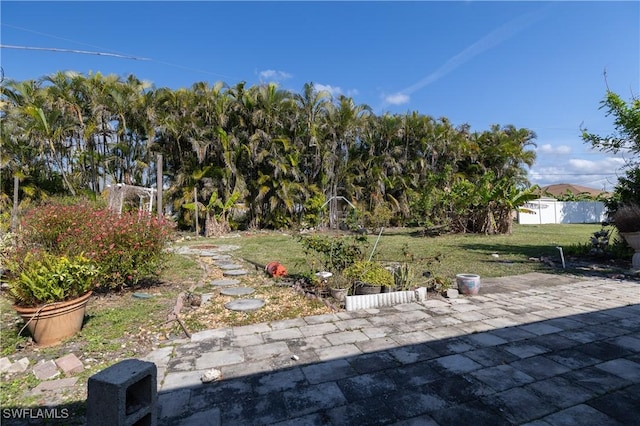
(579, 366)
(582, 366)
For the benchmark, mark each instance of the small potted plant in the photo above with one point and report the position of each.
(626, 219)
(339, 286)
(51, 293)
(369, 277)
(403, 276)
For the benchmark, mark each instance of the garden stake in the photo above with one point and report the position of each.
(561, 257)
(376, 244)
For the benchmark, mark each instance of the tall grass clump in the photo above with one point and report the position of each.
(126, 248)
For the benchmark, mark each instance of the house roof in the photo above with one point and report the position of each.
(560, 189)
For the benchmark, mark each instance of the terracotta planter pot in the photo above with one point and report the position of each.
(50, 324)
(633, 239)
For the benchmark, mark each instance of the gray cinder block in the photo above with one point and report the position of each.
(124, 394)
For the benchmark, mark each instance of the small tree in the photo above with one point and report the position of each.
(626, 138)
(217, 213)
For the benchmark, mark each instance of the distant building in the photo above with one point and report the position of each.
(581, 205)
(563, 189)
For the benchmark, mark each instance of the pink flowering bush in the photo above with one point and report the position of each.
(126, 249)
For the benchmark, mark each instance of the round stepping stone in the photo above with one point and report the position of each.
(244, 304)
(229, 266)
(237, 291)
(223, 262)
(220, 257)
(142, 295)
(224, 282)
(234, 273)
(227, 247)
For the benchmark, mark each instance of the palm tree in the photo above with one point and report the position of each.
(512, 199)
(265, 142)
(45, 126)
(346, 122)
(310, 126)
(26, 118)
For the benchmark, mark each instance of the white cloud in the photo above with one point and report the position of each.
(397, 99)
(599, 174)
(274, 75)
(550, 149)
(333, 90)
(607, 165)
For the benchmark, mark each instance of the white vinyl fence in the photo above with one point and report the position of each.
(549, 210)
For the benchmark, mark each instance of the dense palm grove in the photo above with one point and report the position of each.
(284, 154)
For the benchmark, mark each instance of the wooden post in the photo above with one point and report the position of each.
(159, 186)
(14, 213)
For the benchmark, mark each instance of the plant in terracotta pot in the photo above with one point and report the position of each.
(626, 219)
(369, 277)
(51, 293)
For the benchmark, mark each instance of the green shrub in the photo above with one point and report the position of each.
(603, 244)
(126, 249)
(371, 273)
(336, 253)
(43, 278)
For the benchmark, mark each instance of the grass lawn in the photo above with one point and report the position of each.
(466, 253)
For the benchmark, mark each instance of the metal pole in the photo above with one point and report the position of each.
(14, 214)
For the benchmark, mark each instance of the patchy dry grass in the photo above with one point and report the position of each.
(281, 302)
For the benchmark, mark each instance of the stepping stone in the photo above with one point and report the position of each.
(70, 364)
(220, 257)
(210, 253)
(46, 370)
(237, 291)
(183, 250)
(230, 266)
(223, 262)
(54, 385)
(227, 247)
(5, 363)
(234, 273)
(224, 282)
(142, 295)
(244, 304)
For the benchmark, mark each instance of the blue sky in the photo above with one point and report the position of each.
(537, 65)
